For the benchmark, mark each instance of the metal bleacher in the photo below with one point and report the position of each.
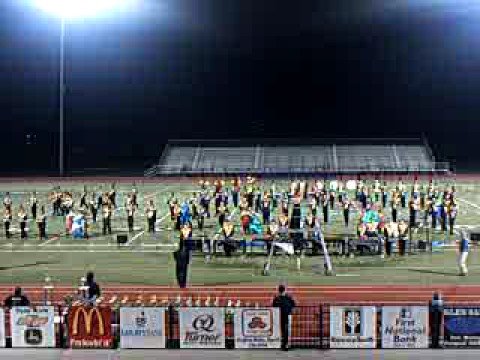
(284, 157)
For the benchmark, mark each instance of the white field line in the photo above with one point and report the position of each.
(49, 241)
(469, 203)
(135, 237)
(83, 251)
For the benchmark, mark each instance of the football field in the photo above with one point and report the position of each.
(147, 259)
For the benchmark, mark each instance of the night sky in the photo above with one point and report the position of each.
(238, 69)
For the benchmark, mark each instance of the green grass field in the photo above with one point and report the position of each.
(147, 259)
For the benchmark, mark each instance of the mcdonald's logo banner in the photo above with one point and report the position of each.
(90, 327)
(32, 328)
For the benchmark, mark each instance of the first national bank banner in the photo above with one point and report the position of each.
(90, 327)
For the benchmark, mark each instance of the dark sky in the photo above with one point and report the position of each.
(239, 68)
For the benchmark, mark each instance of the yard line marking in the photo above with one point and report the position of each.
(49, 241)
(135, 237)
(469, 203)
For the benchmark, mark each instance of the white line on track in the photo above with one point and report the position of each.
(469, 203)
(83, 251)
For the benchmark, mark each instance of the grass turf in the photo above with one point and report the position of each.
(147, 260)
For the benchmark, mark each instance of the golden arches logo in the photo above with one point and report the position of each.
(88, 317)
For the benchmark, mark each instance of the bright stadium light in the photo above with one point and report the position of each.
(68, 11)
(81, 9)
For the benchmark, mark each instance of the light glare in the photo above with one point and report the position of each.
(79, 9)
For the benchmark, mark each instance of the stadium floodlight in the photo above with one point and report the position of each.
(66, 11)
(81, 9)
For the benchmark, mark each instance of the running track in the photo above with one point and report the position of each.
(262, 294)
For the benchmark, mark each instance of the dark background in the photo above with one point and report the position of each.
(238, 68)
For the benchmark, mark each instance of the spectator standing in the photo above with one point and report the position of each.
(286, 304)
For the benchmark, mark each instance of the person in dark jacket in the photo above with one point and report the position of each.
(93, 292)
(285, 303)
(182, 259)
(17, 299)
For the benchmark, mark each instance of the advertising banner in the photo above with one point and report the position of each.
(90, 327)
(32, 328)
(142, 328)
(257, 328)
(202, 328)
(405, 327)
(353, 327)
(461, 327)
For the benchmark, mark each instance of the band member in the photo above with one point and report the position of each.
(285, 207)
(22, 218)
(7, 201)
(151, 216)
(194, 206)
(413, 206)
(463, 253)
(93, 208)
(346, 205)
(229, 244)
(443, 215)
(134, 199)
(100, 200)
(83, 200)
(218, 202)
(201, 217)
(258, 199)
(272, 232)
(186, 234)
(172, 202)
(130, 214)
(376, 190)
(7, 221)
(296, 218)
(107, 209)
(452, 215)
(384, 192)
(283, 226)
(177, 216)
(266, 210)
(221, 214)
(42, 224)
(332, 200)
(403, 194)
(395, 203)
(325, 208)
(112, 196)
(250, 193)
(205, 202)
(236, 183)
(245, 217)
(273, 194)
(34, 205)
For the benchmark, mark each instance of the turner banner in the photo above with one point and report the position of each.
(257, 328)
(202, 328)
(32, 328)
(90, 327)
(405, 327)
(142, 328)
(353, 327)
(461, 327)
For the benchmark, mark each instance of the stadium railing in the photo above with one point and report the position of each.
(310, 326)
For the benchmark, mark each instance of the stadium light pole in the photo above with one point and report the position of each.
(70, 10)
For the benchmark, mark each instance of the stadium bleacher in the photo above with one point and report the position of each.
(280, 157)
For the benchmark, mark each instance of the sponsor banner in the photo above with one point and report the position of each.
(405, 327)
(461, 327)
(257, 328)
(32, 327)
(353, 327)
(90, 327)
(202, 328)
(142, 328)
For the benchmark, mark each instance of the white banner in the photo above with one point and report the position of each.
(32, 328)
(353, 327)
(2, 328)
(202, 328)
(257, 328)
(142, 328)
(405, 327)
